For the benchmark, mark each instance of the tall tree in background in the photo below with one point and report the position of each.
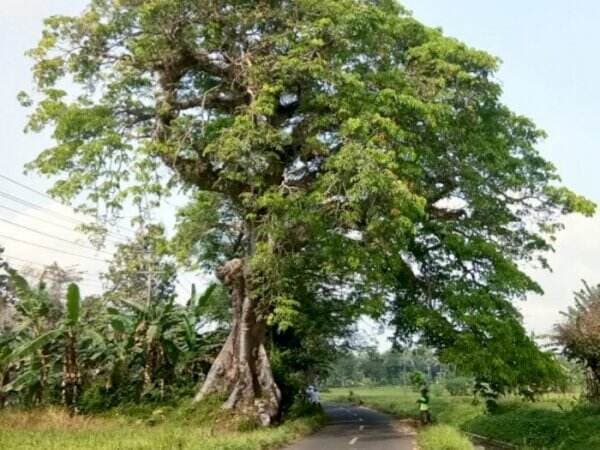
(338, 143)
(141, 270)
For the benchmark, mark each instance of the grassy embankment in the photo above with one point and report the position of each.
(184, 427)
(554, 422)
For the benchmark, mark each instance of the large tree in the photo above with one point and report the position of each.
(336, 152)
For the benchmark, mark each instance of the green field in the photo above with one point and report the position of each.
(181, 428)
(553, 422)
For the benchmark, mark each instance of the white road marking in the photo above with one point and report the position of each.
(353, 441)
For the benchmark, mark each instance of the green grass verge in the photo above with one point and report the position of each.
(443, 437)
(140, 428)
(556, 422)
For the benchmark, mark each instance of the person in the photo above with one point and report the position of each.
(424, 406)
(312, 393)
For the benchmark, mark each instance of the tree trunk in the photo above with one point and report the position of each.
(71, 382)
(4, 380)
(242, 370)
(592, 382)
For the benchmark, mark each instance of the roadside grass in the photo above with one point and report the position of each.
(182, 427)
(555, 422)
(443, 437)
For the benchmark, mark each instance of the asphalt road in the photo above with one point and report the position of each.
(357, 428)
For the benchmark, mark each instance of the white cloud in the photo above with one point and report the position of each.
(577, 257)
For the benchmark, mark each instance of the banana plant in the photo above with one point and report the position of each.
(164, 336)
(30, 354)
(65, 336)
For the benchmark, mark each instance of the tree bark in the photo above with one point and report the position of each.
(242, 370)
(592, 382)
(4, 380)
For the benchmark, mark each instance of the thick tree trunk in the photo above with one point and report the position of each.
(242, 370)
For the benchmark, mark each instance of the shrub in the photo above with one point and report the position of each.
(417, 379)
(459, 386)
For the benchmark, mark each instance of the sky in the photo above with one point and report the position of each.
(549, 50)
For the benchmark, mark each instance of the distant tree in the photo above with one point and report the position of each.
(142, 270)
(331, 149)
(579, 336)
(55, 279)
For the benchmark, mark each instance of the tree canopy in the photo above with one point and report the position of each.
(338, 155)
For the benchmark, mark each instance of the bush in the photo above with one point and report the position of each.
(459, 386)
(443, 437)
(301, 407)
(417, 379)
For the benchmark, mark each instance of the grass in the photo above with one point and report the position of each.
(443, 437)
(555, 422)
(141, 428)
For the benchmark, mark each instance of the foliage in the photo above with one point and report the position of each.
(443, 437)
(459, 385)
(579, 336)
(417, 379)
(350, 154)
(368, 367)
(97, 352)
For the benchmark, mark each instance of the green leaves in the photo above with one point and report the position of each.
(73, 304)
(35, 344)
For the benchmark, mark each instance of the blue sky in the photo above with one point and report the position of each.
(550, 72)
(549, 50)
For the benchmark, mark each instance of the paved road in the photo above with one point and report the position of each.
(357, 428)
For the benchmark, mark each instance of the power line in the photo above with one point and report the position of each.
(24, 186)
(19, 200)
(21, 213)
(52, 249)
(52, 236)
(112, 240)
(57, 215)
(54, 224)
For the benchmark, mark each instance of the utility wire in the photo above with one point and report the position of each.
(91, 258)
(57, 215)
(31, 216)
(30, 189)
(54, 224)
(19, 200)
(53, 237)
(61, 216)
